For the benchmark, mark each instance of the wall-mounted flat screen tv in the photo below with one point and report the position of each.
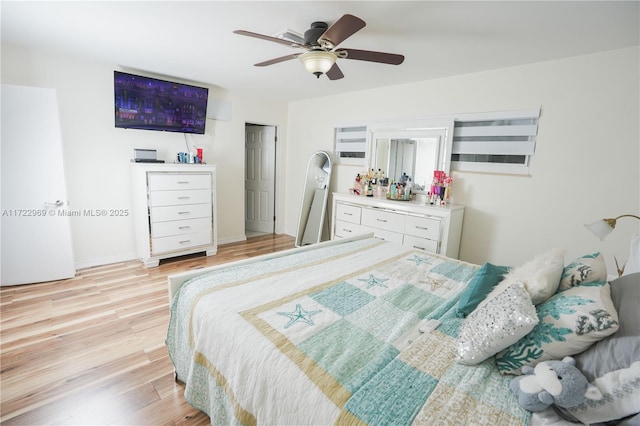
(152, 104)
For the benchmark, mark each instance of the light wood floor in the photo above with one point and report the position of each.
(90, 350)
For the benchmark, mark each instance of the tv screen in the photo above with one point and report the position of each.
(151, 104)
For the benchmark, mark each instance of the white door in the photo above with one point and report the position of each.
(260, 171)
(35, 233)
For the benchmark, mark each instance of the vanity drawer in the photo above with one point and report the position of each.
(383, 234)
(180, 242)
(382, 219)
(179, 197)
(191, 211)
(172, 181)
(348, 213)
(346, 229)
(421, 243)
(180, 227)
(422, 227)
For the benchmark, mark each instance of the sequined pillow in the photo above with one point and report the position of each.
(586, 269)
(500, 322)
(570, 322)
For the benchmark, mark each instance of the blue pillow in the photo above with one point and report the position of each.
(487, 277)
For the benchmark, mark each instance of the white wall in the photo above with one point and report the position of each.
(586, 163)
(97, 155)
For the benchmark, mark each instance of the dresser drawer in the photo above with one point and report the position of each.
(191, 211)
(422, 227)
(172, 181)
(346, 229)
(348, 213)
(180, 227)
(180, 242)
(179, 197)
(382, 219)
(383, 234)
(421, 243)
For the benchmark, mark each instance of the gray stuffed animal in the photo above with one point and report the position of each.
(553, 382)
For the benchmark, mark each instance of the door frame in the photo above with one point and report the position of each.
(276, 192)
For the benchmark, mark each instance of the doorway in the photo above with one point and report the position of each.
(260, 179)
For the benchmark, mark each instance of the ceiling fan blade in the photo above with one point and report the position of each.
(335, 73)
(343, 28)
(371, 56)
(269, 38)
(277, 60)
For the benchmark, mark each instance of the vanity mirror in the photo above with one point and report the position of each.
(414, 149)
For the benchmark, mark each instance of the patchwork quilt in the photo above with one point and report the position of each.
(360, 333)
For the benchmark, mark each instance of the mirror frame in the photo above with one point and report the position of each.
(313, 206)
(412, 129)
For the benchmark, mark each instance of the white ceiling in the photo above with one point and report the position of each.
(193, 41)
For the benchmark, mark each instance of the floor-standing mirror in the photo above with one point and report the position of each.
(314, 199)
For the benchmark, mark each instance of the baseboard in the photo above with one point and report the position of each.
(132, 256)
(105, 261)
(229, 240)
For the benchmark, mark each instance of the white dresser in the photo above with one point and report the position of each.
(174, 208)
(430, 228)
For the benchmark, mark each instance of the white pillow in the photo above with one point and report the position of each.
(501, 322)
(633, 263)
(540, 276)
(621, 397)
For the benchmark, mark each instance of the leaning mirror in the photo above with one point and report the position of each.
(411, 151)
(312, 224)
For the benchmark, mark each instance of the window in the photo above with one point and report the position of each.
(502, 142)
(351, 144)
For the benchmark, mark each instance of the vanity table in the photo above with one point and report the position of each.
(412, 223)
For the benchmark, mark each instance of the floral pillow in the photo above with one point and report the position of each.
(586, 269)
(570, 322)
(613, 363)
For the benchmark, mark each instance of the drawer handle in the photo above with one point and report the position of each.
(184, 198)
(419, 248)
(347, 230)
(184, 227)
(382, 220)
(184, 212)
(183, 182)
(422, 227)
(347, 214)
(184, 242)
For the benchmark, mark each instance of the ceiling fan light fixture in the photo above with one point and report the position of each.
(318, 62)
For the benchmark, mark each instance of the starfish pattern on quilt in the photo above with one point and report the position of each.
(435, 284)
(419, 260)
(373, 281)
(299, 315)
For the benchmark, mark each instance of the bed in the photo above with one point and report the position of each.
(355, 331)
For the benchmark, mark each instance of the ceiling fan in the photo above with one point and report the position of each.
(321, 46)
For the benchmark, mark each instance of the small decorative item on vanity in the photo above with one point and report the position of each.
(440, 192)
(370, 184)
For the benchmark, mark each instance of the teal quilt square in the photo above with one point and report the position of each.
(343, 298)
(455, 271)
(412, 299)
(392, 397)
(383, 320)
(349, 354)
